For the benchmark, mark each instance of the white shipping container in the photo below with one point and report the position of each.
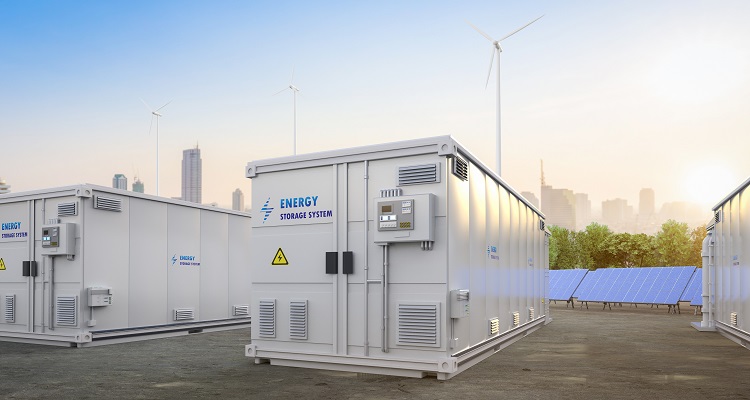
(409, 258)
(726, 271)
(86, 265)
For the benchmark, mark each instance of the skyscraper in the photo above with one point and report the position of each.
(138, 186)
(647, 203)
(238, 200)
(192, 172)
(120, 182)
(583, 211)
(531, 197)
(4, 187)
(559, 205)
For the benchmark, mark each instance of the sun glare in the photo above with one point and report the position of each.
(709, 184)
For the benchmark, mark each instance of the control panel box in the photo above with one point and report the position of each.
(99, 296)
(459, 303)
(59, 239)
(405, 218)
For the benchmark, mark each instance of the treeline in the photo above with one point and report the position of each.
(598, 247)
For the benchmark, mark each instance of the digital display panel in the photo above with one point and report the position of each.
(387, 209)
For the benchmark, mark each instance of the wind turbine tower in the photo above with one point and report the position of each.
(496, 49)
(294, 90)
(156, 114)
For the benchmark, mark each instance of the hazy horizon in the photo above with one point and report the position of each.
(614, 96)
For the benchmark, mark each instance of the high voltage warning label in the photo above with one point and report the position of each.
(2, 264)
(279, 258)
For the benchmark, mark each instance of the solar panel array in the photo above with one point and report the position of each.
(694, 291)
(649, 285)
(564, 282)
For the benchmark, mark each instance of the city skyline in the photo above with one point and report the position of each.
(614, 96)
(192, 175)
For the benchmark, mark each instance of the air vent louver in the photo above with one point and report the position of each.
(733, 319)
(107, 204)
(184, 314)
(418, 324)
(67, 209)
(418, 174)
(298, 319)
(541, 225)
(460, 168)
(66, 311)
(10, 308)
(516, 319)
(390, 192)
(240, 310)
(717, 216)
(531, 313)
(494, 326)
(267, 318)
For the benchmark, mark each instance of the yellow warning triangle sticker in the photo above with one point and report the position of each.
(279, 258)
(2, 264)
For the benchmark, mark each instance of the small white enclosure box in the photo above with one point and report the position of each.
(408, 258)
(85, 265)
(726, 270)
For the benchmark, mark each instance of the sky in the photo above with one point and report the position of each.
(614, 96)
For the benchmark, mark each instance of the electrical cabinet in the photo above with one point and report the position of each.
(59, 239)
(405, 218)
(99, 297)
(459, 303)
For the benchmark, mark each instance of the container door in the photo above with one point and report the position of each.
(18, 272)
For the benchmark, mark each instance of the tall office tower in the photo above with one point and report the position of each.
(647, 203)
(531, 197)
(4, 187)
(120, 182)
(583, 211)
(616, 212)
(192, 182)
(559, 205)
(238, 200)
(138, 186)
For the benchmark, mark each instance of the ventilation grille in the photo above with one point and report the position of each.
(267, 318)
(717, 217)
(390, 192)
(240, 310)
(418, 174)
(494, 326)
(66, 311)
(298, 319)
(516, 319)
(10, 308)
(67, 209)
(733, 319)
(107, 204)
(531, 313)
(418, 324)
(460, 168)
(183, 314)
(541, 225)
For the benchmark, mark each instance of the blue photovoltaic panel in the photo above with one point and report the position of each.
(563, 283)
(697, 300)
(648, 285)
(694, 286)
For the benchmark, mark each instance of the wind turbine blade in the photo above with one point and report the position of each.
(282, 90)
(480, 32)
(165, 104)
(517, 30)
(147, 106)
(150, 125)
(489, 72)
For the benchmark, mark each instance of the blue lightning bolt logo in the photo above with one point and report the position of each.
(266, 210)
(174, 259)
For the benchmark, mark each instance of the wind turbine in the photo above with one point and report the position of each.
(157, 114)
(496, 49)
(294, 90)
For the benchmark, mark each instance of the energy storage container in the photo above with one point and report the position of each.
(408, 258)
(726, 270)
(85, 265)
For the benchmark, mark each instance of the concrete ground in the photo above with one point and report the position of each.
(623, 353)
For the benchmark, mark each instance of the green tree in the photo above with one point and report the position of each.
(562, 248)
(673, 243)
(696, 245)
(593, 243)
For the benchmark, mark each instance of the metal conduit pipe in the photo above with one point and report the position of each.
(710, 280)
(366, 339)
(52, 293)
(384, 285)
(705, 322)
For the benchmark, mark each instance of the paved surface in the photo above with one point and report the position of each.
(625, 353)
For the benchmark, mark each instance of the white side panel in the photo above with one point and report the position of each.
(214, 268)
(477, 256)
(744, 267)
(148, 264)
(506, 269)
(14, 249)
(239, 260)
(184, 266)
(494, 282)
(106, 262)
(459, 253)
